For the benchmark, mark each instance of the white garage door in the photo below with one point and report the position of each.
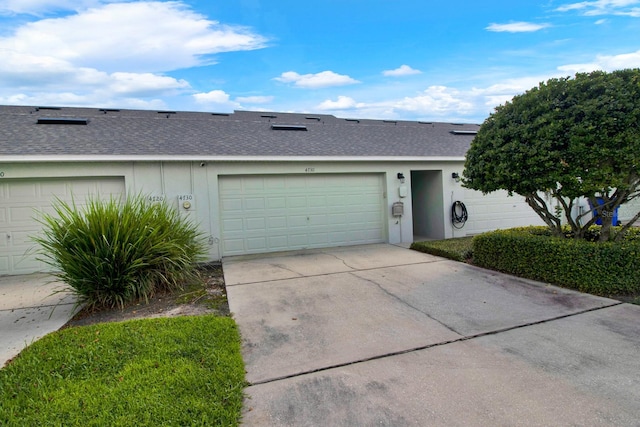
(285, 212)
(20, 202)
(497, 211)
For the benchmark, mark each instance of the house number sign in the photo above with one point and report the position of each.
(156, 198)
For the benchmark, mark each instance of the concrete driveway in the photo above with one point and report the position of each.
(382, 335)
(30, 308)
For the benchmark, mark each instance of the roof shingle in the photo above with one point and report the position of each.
(242, 133)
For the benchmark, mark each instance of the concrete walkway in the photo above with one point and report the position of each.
(382, 335)
(30, 308)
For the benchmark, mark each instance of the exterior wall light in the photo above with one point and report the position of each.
(456, 176)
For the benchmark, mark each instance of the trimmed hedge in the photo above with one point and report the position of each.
(592, 234)
(599, 268)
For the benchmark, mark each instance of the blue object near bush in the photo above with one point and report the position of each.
(614, 220)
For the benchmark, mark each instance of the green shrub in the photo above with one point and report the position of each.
(606, 268)
(592, 234)
(111, 253)
(458, 249)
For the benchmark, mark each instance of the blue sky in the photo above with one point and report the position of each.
(402, 59)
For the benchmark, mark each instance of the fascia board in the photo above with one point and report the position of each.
(221, 159)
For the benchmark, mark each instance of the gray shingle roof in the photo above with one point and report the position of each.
(242, 133)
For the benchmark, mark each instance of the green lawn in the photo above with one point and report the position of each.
(458, 249)
(150, 372)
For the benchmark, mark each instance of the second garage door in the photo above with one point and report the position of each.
(22, 201)
(271, 213)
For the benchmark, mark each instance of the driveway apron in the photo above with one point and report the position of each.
(382, 335)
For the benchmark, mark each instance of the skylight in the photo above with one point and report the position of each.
(464, 132)
(62, 121)
(288, 127)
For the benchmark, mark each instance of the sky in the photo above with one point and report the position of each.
(451, 61)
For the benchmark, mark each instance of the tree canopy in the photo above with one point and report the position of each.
(566, 138)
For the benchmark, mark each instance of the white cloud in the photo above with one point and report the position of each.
(144, 84)
(342, 103)
(604, 7)
(96, 99)
(516, 27)
(255, 99)
(217, 98)
(146, 36)
(436, 100)
(403, 70)
(606, 63)
(110, 51)
(42, 73)
(315, 81)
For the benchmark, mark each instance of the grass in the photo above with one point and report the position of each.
(458, 249)
(149, 372)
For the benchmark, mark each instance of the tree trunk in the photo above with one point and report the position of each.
(540, 207)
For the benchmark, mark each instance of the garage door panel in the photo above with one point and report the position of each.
(296, 184)
(232, 204)
(320, 239)
(254, 203)
(298, 240)
(234, 245)
(258, 243)
(256, 224)
(279, 222)
(279, 241)
(276, 183)
(318, 220)
(230, 186)
(294, 202)
(336, 200)
(59, 189)
(277, 203)
(317, 201)
(301, 211)
(22, 191)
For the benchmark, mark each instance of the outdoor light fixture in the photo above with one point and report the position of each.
(401, 177)
(455, 176)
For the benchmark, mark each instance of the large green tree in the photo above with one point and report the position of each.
(564, 139)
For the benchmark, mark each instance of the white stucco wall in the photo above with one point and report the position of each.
(200, 180)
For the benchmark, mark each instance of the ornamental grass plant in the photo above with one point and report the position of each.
(113, 252)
